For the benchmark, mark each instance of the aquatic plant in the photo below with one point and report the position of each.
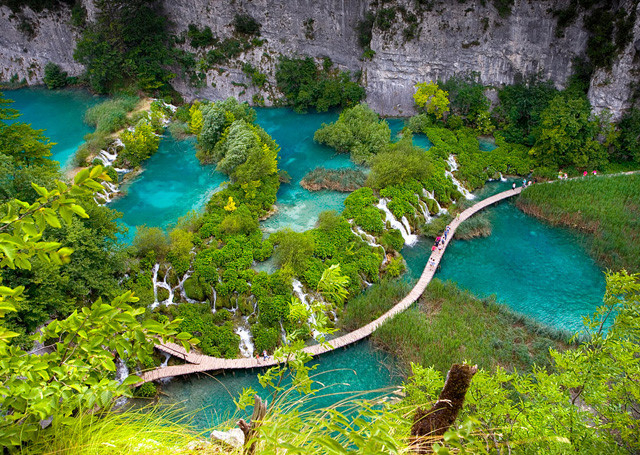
(345, 179)
(478, 330)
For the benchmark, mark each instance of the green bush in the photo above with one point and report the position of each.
(244, 24)
(359, 207)
(215, 340)
(200, 38)
(146, 390)
(54, 77)
(306, 86)
(358, 131)
(392, 240)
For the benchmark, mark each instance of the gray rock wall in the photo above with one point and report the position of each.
(24, 57)
(453, 37)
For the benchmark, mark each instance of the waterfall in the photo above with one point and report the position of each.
(215, 299)
(107, 158)
(425, 211)
(451, 161)
(430, 195)
(122, 373)
(404, 229)
(160, 284)
(165, 362)
(371, 240)
(297, 289)
(246, 343)
(283, 333)
(502, 179)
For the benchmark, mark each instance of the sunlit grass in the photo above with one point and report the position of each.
(449, 326)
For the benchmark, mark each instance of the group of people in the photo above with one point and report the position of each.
(525, 183)
(265, 356)
(585, 173)
(439, 245)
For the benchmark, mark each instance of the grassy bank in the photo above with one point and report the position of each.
(605, 209)
(449, 325)
(373, 303)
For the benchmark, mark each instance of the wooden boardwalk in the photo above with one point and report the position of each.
(200, 363)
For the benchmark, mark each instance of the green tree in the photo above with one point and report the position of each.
(568, 135)
(430, 97)
(128, 44)
(293, 249)
(76, 376)
(139, 144)
(358, 131)
(54, 77)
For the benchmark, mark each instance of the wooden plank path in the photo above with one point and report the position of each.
(199, 363)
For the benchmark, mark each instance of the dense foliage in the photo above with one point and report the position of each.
(358, 131)
(306, 85)
(128, 44)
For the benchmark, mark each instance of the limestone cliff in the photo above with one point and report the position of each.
(450, 37)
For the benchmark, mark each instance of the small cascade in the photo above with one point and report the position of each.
(122, 373)
(283, 334)
(371, 240)
(502, 179)
(180, 288)
(165, 362)
(297, 290)
(107, 158)
(246, 343)
(430, 195)
(160, 284)
(404, 228)
(110, 190)
(425, 211)
(215, 299)
(451, 161)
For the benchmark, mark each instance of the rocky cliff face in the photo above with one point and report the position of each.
(450, 38)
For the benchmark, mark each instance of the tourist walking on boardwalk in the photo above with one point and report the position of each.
(265, 355)
(513, 186)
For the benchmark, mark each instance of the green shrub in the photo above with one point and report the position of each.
(200, 38)
(358, 131)
(392, 240)
(244, 24)
(306, 86)
(359, 207)
(54, 77)
(146, 390)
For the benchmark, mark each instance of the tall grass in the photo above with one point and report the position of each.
(132, 432)
(111, 115)
(373, 303)
(449, 326)
(605, 209)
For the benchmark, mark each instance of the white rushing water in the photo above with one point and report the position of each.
(297, 290)
(403, 227)
(122, 373)
(430, 195)
(246, 342)
(161, 284)
(453, 164)
(370, 239)
(424, 210)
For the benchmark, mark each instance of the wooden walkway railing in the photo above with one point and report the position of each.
(200, 363)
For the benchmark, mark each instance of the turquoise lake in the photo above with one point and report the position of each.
(342, 374)
(536, 269)
(59, 112)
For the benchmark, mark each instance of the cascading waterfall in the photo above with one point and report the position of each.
(430, 195)
(215, 299)
(122, 373)
(371, 240)
(453, 164)
(161, 284)
(297, 289)
(403, 227)
(246, 342)
(425, 211)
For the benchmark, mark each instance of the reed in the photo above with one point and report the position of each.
(373, 303)
(111, 115)
(345, 180)
(605, 209)
(449, 326)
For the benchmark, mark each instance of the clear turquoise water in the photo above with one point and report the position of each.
(486, 145)
(298, 209)
(535, 269)
(172, 184)
(59, 112)
(340, 374)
